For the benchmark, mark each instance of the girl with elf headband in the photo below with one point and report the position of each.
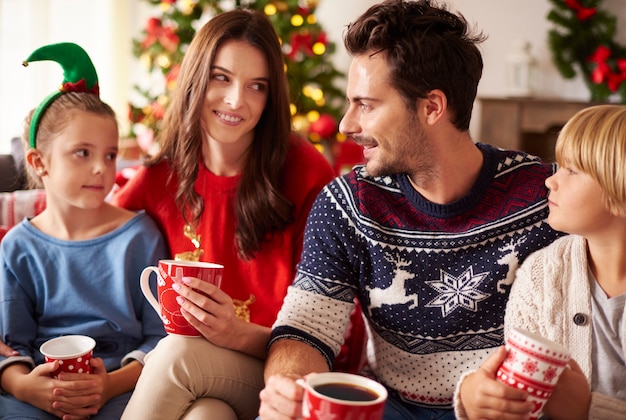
(231, 184)
(74, 268)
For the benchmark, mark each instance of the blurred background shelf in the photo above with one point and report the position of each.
(529, 124)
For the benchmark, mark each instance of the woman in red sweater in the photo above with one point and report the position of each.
(230, 185)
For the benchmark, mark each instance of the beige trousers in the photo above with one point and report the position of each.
(190, 378)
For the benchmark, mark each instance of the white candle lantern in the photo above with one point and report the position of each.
(521, 70)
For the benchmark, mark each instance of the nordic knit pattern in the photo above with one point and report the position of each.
(433, 280)
(551, 287)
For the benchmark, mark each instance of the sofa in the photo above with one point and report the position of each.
(11, 175)
(16, 205)
(16, 202)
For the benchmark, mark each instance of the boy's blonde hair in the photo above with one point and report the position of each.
(594, 142)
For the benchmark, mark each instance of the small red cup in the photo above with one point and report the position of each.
(74, 353)
(169, 272)
(334, 395)
(533, 364)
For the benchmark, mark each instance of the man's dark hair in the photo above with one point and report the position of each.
(427, 47)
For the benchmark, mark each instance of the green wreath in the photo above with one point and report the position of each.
(583, 38)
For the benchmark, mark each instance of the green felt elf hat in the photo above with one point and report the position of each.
(79, 75)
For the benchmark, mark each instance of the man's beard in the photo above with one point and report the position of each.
(411, 152)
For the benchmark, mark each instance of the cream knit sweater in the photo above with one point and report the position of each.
(550, 289)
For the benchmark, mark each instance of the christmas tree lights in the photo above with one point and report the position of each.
(316, 103)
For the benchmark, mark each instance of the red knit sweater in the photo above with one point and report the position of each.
(272, 270)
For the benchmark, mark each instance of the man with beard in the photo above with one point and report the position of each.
(426, 235)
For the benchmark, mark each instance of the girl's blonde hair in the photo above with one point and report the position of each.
(56, 118)
(594, 141)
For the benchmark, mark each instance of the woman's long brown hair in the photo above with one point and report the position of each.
(260, 207)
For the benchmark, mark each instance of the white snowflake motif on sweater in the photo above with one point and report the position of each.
(455, 292)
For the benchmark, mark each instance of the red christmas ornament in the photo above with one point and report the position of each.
(303, 11)
(325, 126)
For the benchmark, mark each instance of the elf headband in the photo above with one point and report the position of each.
(79, 75)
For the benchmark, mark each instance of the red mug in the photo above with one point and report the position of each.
(169, 272)
(335, 395)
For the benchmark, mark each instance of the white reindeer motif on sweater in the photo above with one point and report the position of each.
(396, 293)
(510, 258)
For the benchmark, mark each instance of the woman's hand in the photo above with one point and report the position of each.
(484, 397)
(210, 310)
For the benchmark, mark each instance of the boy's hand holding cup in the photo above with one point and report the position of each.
(169, 272)
(534, 364)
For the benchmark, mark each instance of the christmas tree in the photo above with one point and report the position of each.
(583, 38)
(316, 103)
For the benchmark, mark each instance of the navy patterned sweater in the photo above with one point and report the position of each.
(432, 280)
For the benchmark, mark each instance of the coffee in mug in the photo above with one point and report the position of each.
(342, 396)
(346, 391)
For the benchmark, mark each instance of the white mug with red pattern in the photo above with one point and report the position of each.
(534, 365)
